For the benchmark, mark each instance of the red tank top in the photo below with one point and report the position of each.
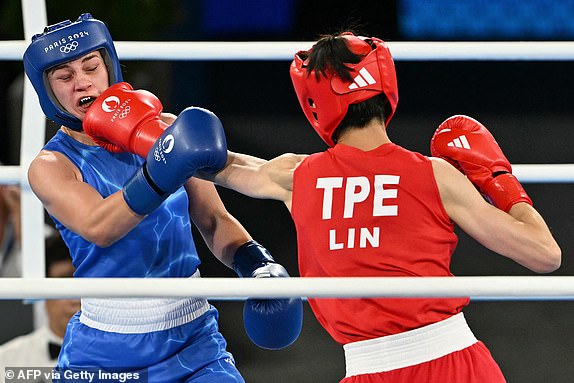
(375, 213)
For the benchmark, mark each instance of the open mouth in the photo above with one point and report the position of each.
(85, 102)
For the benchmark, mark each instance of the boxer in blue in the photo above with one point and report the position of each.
(129, 215)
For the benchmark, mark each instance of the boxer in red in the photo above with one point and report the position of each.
(368, 207)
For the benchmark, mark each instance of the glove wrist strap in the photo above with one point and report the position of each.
(141, 194)
(504, 191)
(248, 257)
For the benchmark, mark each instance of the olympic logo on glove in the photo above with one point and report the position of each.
(69, 47)
(125, 112)
(164, 147)
(110, 104)
(167, 144)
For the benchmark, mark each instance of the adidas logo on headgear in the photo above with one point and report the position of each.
(363, 79)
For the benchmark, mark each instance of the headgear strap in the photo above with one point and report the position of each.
(325, 100)
(63, 42)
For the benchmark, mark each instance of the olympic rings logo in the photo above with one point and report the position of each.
(69, 47)
(156, 155)
(164, 147)
(125, 112)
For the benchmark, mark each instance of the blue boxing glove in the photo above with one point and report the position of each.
(195, 141)
(270, 323)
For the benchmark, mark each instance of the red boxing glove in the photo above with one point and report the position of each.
(122, 119)
(468, 145)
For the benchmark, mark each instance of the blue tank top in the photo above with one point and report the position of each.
(161, 245)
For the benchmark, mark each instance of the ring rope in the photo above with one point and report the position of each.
(526, 173)
(284, 50)
(475, 287)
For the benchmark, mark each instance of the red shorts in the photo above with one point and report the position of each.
(473, 364)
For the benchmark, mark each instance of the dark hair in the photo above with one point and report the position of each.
(330, 55)
(56, 251)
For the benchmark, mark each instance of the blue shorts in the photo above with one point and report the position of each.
(193, 352)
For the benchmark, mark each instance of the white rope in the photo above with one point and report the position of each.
(541, 173)
(284, 50)
(477, 288)
(526, 173)
(10, 174)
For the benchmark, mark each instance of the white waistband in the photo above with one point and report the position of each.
(137, 315)
(408, 348)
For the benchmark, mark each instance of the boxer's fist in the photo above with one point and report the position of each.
(270, 323)
(468, 145)
(124, 120)
(195, 141)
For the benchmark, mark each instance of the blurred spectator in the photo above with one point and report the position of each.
(41, 347)
(10, 231)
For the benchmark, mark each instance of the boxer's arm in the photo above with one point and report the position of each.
(222, 233)
(521, 235)
(77, 205)
(167, 118)
(269, 323)
(259, 178)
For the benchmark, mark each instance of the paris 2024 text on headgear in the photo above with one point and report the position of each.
(63, 42)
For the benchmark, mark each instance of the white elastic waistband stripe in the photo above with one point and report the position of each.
(137, 315)
(150, 316)
(408, 348)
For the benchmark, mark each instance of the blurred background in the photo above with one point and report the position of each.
(526, 105)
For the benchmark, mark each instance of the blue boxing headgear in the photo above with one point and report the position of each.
(63, 42)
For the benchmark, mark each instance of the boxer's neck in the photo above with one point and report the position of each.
(78, 136)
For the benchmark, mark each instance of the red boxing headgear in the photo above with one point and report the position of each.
(325, 101)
